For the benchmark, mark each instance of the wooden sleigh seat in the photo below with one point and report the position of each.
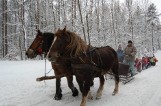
(123, 70)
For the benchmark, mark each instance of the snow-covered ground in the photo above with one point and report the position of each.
(18, 87)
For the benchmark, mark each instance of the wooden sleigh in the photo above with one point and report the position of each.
(47, 77)
(124, 74)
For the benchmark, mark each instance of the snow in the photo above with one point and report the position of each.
(18, 87)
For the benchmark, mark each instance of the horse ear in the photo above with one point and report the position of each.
(64, 30)
(38, 31)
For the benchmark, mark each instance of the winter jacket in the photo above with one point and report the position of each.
(120, 55)
(145, 60)
(155, 59)
(130, 52)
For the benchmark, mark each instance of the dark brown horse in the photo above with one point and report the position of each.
(41, 45)
(87, 62)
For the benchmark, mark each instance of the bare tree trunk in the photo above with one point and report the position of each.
(88, 30)
(158, 39)
(98, 19)
(103, 19)
(73, 14)
(90, 16)
(22, 39)
(152, 38)
(58, 10)
(132, 28)
(64, 13)
(37, 17)
(47, 13)
(145, 30)
(15, 29)
(117, 14)
(129, 6)
(23, 28)
(31, 18)
(159, 46)
(4, 29)
(145, 22)
(20, 36)
(54, 19)
(37, 14)
(113, 23)
(82, 20)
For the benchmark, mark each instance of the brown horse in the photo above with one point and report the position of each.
(41, 45)
(87, 62)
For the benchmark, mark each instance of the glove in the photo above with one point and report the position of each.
(132, 54)
(126, 55)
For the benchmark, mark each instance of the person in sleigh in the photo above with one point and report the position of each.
(138, 64)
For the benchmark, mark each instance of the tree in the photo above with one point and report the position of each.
(101, 22)
(81, 16)
(4, 28)
(153, 21)
(113, 22)
(129, 4)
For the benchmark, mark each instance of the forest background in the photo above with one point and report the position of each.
(100, 22)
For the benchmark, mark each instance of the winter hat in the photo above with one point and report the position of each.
(129, 41)
(119, 47)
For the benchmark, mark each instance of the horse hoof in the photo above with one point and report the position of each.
(75, 92)
(90, 97)
(98, 98)
(113, 93)
(99, 95)
(58, 97)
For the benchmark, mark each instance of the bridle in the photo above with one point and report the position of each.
(38, 49)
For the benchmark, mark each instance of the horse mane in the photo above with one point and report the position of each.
(47, 41)
(76, 46)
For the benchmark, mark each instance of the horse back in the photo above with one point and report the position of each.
(105, 57)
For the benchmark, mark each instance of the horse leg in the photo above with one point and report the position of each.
(100, 89)
(92, 83)
(80, 83)
(71, 85)
(116, 76)
(58, 94)
(86, 93)
(90, 94)
(116, 85)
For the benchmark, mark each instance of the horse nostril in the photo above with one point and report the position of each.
(26, 53)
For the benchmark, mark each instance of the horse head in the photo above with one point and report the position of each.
(40, 45)
(59, 44)
(66, 44)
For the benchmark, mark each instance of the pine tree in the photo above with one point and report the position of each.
(153, 21)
